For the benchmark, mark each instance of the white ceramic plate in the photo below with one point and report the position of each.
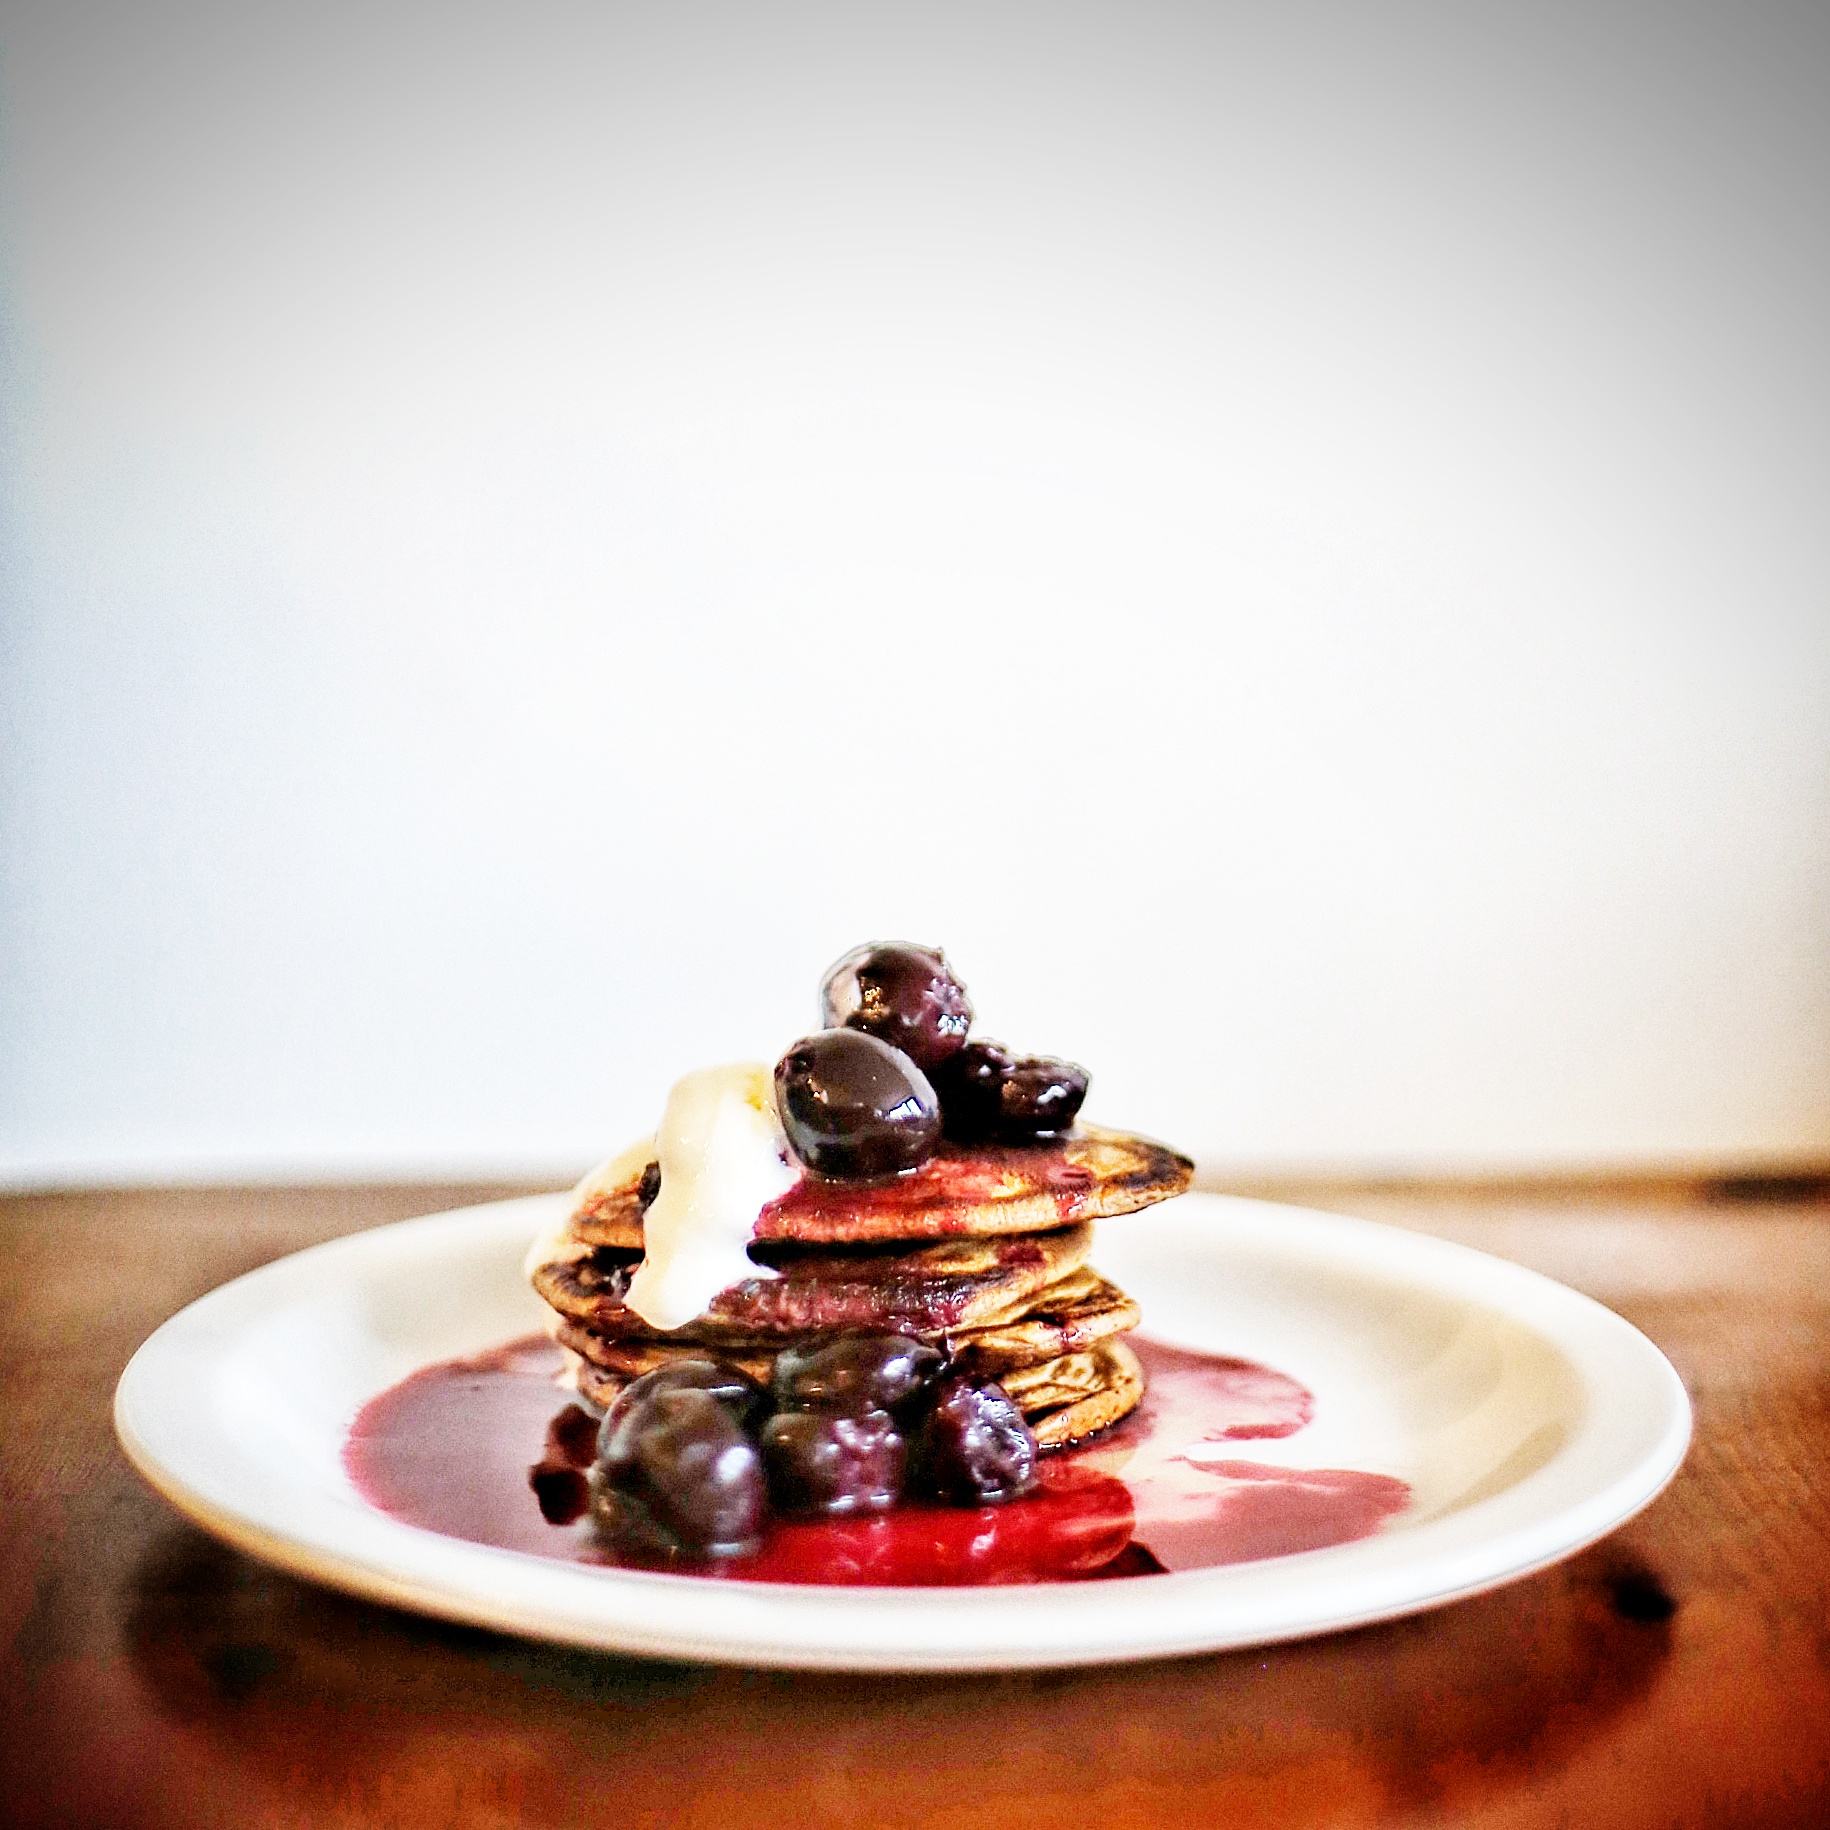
(1528, 1420)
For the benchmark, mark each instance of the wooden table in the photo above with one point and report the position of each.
(1678, 1673)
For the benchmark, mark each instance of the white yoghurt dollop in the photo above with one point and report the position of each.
(723, 1158)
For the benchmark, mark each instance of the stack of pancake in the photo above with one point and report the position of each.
(982, 1252)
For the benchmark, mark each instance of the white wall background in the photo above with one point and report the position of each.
(1292, 539)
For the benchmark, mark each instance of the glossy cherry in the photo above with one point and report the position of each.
(736, 1390)
(1039, 1098)
(973, 1447)
(904, 994)
(970, 1085)
(678, 1475)
(857, 1372)
(822, 1464)
(854, 1108)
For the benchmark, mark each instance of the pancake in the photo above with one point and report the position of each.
(963, 1191)
(1064, 1400)
(1073, 1314)
(928, 1291)
(1067, 1400)
(981, 1251)
(621, 1361)
(1070, 1315)
(1057, 1355)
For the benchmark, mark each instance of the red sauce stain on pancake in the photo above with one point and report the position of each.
(956, 1175)
(482, 1449)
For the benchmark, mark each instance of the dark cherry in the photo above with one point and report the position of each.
(564, 1494)
(737, 1391)
(973, 1447)
(571, 1438)
(825, 1465)
(678, 1475)
(1039, 1098)
(855, 1108)
(857, 1372)
(558, 1478)
(904, 994)
(969, 1085)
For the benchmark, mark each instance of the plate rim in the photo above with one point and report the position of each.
(860, 1629)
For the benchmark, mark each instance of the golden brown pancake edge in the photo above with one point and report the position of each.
(928, 1291)
(1094, 1174)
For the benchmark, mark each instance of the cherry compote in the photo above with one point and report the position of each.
(832, 1465)
(973, 1447)
(678, 1476)
(988, 1093)
(857, 1372)
(854, 1108)
(970, 1086)
(449, 1449)
(1040, 1099)
(732, 1387)
(906, 995)
(558, 1478)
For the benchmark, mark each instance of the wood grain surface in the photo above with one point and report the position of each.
(1676, 1674)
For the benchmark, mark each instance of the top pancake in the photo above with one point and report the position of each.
(962, 1191)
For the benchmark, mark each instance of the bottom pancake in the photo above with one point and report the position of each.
(1071, 1315)
(612, 1364)
(1067, 1400)
(1064, 1400)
